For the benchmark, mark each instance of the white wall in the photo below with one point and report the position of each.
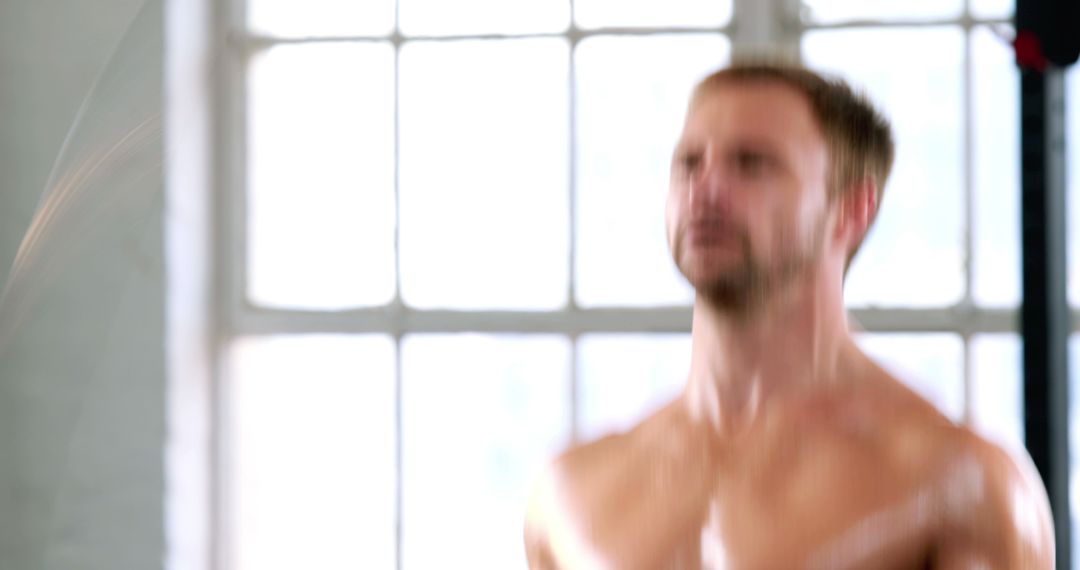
(82, 379)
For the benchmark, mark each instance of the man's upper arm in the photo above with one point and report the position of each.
(537, 549)
(537, 521)
(1006, 526)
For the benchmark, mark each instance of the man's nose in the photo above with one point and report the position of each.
(710, 186)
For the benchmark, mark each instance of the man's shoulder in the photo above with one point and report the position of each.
(587, 491)
(581, 468)
(988, 500)
(559, 499)
(577, 487)
(987, 466)
(565, 475)
(992, 506)
(903, 421)
(996, 507)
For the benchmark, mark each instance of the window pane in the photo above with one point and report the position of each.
(997, 393)
(622, 378)
(282, 18)
(459, 17)
(484, 217)
(996, 171)
(592, 14)
(838, 10)
(632, 96)
(931, 364)
(481, 415)
(1002, 9)
(321, 176)
(914, 255)
(312, 452)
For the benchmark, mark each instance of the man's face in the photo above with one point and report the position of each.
(747, 208)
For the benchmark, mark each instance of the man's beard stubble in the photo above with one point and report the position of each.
(751, 285)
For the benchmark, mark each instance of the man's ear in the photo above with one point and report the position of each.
(858, 206)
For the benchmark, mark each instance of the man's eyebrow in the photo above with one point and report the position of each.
(756, 143)
(684, 147)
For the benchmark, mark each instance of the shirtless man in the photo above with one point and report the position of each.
(789, 448)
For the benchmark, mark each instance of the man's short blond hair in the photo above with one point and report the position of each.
(859, 138)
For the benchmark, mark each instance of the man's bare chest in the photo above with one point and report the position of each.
(815, 517)
(804, 501)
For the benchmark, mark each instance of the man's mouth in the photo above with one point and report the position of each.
(710, 233)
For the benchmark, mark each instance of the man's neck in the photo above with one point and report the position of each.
(742, 363)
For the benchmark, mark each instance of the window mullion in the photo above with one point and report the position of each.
(765, 27)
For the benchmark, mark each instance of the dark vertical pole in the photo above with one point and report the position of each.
(1045, 310)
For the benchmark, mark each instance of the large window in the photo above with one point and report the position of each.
(448, 259)
(450, 264)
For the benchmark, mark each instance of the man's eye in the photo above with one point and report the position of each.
(752, 162)
(689, 162)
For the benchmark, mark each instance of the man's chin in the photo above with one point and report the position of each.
(724, 284)
(709, 277)
(737, 287)
(730, 297)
